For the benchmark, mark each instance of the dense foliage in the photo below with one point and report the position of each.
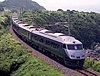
(90, 63)
(15, 60)
(14, 57)
(84, 26)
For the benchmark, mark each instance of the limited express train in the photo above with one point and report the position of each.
(64, 48)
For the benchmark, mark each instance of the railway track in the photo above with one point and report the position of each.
(86, 72)
(67, 71)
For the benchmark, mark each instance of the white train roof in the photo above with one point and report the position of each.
(60, 37)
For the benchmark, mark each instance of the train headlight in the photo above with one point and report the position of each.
(83, 55)
(72, 56)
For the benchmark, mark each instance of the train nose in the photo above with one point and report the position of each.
(80, 55)
(77, 55)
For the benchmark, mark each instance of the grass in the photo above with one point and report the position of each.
(36, 67)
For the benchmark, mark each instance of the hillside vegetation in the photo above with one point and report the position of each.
(21, 5)
(84, 26)
(16, 60)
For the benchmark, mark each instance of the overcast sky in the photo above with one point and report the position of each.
(81, 5)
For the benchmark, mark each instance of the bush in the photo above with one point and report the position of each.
(91, 63)
(10, 57)
(15, 60)
(96, 66)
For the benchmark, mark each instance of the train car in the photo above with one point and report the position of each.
(64, 48)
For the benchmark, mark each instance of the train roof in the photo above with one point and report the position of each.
(60, 37)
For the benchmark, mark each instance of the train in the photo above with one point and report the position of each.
(64, 48)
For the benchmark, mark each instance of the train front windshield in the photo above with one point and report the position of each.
(75, 46)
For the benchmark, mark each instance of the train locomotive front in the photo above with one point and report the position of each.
(75, 52)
